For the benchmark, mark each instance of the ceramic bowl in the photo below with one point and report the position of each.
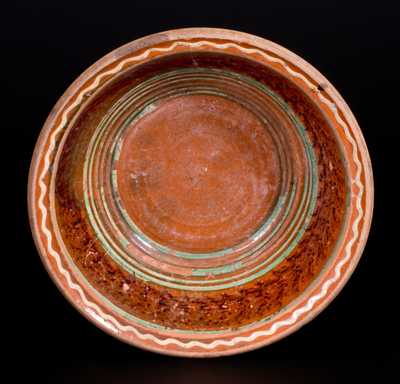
(200, 192)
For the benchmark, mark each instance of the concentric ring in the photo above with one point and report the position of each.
(233, 266)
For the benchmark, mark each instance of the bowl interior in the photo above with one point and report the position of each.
(199, 191)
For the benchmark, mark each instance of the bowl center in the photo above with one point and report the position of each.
(197, 173)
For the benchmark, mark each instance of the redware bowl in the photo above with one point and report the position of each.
(200, 192)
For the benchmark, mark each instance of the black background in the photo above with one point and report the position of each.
(45, 46)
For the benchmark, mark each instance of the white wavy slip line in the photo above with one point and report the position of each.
(112, 323)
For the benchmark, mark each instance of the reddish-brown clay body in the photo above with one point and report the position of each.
(200, 173)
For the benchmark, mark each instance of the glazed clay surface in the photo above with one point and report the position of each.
(209, 192)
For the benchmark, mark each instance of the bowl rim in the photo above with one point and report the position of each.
(185, 34)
